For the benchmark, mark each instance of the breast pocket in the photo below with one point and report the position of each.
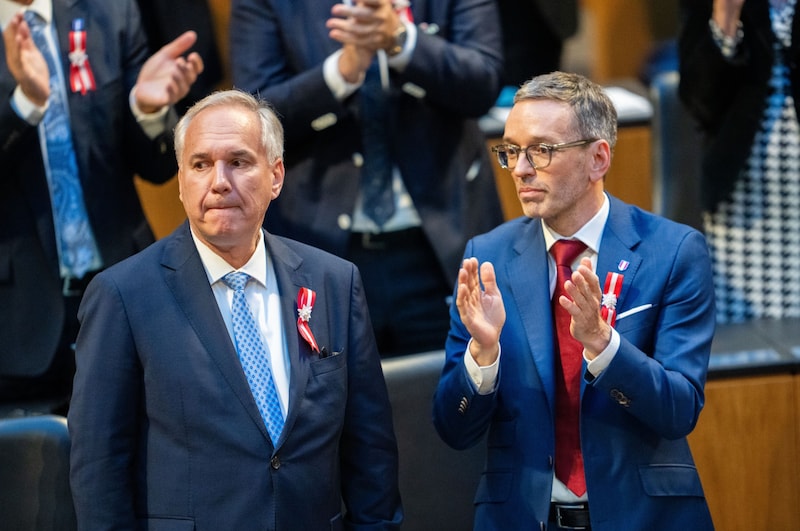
(671, 480)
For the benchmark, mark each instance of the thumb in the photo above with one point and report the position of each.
(180, 45)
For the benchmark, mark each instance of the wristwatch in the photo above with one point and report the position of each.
(400, 35)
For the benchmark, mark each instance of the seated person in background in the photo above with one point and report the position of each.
(228, 378)
(587, 389)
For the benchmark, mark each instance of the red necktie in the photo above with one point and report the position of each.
(569, 460)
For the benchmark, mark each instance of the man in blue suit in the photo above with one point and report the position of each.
(120, 119)
(440, 63)
(639, 309)
(166, 432)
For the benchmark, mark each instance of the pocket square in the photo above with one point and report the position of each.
(632, 311)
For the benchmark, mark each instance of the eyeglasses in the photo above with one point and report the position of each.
(539, 155)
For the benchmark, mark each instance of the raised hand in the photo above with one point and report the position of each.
(583, 304)
(480, 305)
(25, 62)
(167, 75)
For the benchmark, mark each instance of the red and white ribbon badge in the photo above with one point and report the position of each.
(403, 9)
(611, 291)
(305, 303)
(81, 78)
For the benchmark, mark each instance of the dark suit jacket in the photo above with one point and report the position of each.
(728, 97)
(110, 149)
(634, 417)
(165, 431)
(278, 48)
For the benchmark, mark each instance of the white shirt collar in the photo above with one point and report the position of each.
(8, 9)
(590, 233)
(216, 267)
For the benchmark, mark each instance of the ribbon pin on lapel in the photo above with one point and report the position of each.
(305, 303)
(81, 78)
(611, 291)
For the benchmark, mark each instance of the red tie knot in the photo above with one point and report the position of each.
(566, 251)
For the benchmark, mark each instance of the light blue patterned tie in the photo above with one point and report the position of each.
(76, 243)
(253, 355)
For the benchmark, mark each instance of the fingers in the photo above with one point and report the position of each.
(583, 289)
(367, 23)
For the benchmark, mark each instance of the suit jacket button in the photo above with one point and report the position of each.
(463, 405)
(344, 222)
(620, 398)
(550, 461)
(275, 463)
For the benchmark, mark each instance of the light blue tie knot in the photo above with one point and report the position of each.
(254, 356)
(236, 280)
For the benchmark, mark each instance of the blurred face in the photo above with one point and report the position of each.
(569, 191)
(226, 182)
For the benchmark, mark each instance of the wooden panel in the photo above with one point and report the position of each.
(621, 38)
(746, 449)
(161, 205)
(630, 177)
(221, 15)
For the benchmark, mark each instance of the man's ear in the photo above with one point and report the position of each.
(600, 160)
(278, 173)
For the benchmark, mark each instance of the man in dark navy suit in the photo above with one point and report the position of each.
(166, 431)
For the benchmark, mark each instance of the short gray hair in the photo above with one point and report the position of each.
(595, 115)
(271, 128)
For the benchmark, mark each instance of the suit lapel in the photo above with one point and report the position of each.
(187, 280)
(617, 254)
(532, 299)
(290, 278)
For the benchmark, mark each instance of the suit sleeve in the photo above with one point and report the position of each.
(103, 413)
(369, 457)
(152, 159)
(460, 415)
(709, 83)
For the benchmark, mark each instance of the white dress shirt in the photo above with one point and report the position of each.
(264, 301)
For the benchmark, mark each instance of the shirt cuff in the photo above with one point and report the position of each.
(727, 45)
(339, 87)
(153, 124)
(26, 109)
(484, 378)
(599, 364)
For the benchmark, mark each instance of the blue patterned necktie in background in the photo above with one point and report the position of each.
(253, 355)
(376, 180)
(76, 243)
